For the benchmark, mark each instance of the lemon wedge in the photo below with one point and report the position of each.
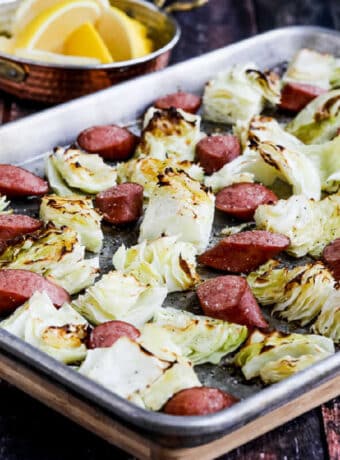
(50, 29)
(30, 9)
(55, 58)
(125, 38)
(86, 41)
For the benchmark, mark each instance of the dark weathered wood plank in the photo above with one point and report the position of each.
(331, 421)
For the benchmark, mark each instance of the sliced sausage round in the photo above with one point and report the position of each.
(331, 255)
(230, 298)
(241, 200)
(106, 334)
(185, 101)
(18, 182)
(295, 96)
(13, 225)
(121, 204)
(213, 152)
(111, 142)
(17, 286)
(199, 401)
(244, 252)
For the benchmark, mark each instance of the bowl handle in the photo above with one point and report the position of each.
(12, 71)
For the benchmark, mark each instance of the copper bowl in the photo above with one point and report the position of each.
(55, 83)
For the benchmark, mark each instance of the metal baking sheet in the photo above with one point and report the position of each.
(26, 142)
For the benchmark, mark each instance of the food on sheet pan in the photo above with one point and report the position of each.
(245, 251)
(121, 204)
(128, 330)
(111, 142)
(213, 152)
(199, 401)
(185, 101)
(230, 298)
(241, 200)
(17, 286)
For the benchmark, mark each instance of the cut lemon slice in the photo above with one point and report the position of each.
(86, 41)
(50, 29)
(30, 9)
(55, 58)
(125, 38)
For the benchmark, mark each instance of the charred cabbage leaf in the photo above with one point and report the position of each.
(80, 171)
(4, 205)
(310, 225)
(55, 253)
(276, 356)
(200, 338)
(297, 294)
(61, 333)
(169, 133)
(145, 171)
(179, 206)
(165, 262)
(76, 213)
(328, 322)
(319, 121)
(120, 296)
(310, 67)
(138, 375)
(239, 93)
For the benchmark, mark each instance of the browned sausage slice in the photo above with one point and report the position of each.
(13, 225)
(244, 252)
(17, 182)
(121, 204)
(331, 255)
(230, 298)
(213, 152)
(185, 101)
(241, 200)
(199, 401)
(111, 142)
(17, 286)
(106, 334)
(295, 96)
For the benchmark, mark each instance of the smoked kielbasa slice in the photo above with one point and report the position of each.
(121, 204)
(230, 298)
(331, 255)
(185, 101)
(17, 286)
(106, 334)
(241, 200)
(13, 225)
(295, 96)
(199, 401)
(111, 142)
(213, 152)
(18, 182)
(244, 252)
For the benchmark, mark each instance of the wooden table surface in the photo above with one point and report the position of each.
(30, 431)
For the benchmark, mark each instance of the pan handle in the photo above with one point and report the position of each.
(12, 71)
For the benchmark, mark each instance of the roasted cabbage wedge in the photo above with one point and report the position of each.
(76, 213)
(297, 293)
(169, 133)
(138, 375)
(239, 93)
(80, 171)
(55, 253)
(61, 333)
(328, 322)
(145, 171)
(310, 67)
(310, 225)
(179, 206)
(276, 356)
(120, 296)
(200, 338)
(165, 262)
(319, 121)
